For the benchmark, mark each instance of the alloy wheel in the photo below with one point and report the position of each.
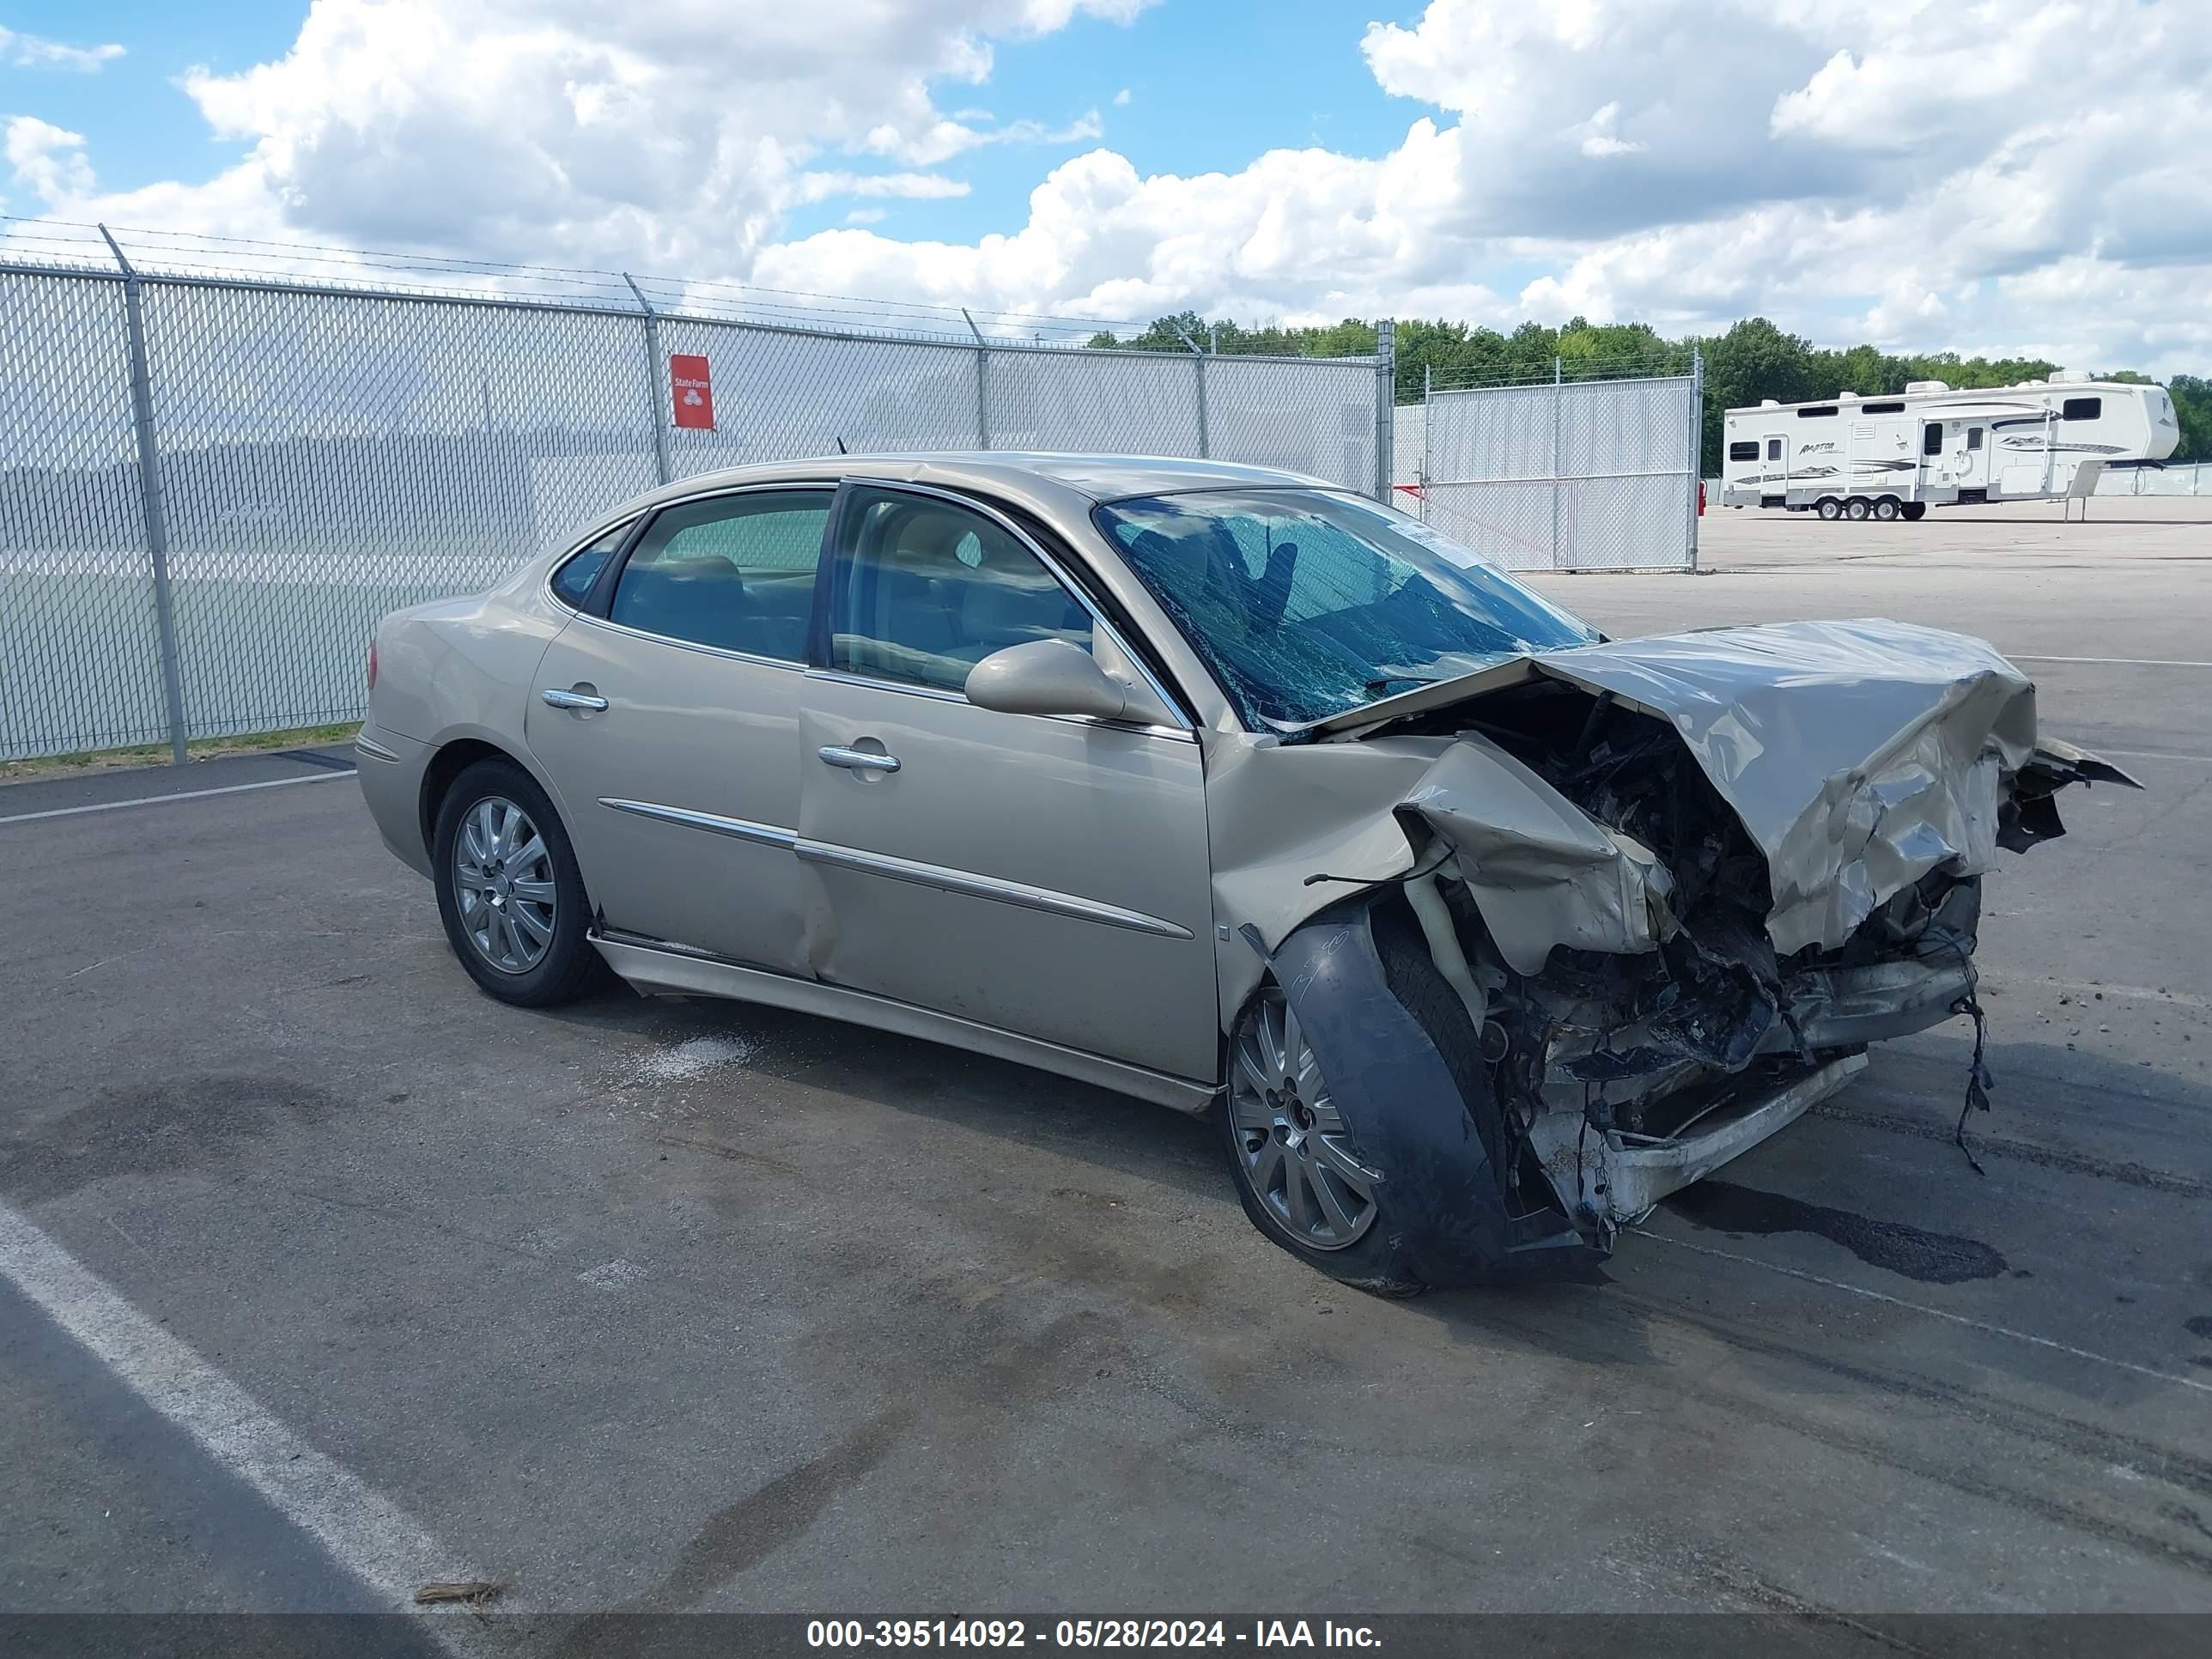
(1290, 1135)
(503, 881)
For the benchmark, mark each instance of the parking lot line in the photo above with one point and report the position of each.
(364, 1532)
(1982, 1325)
(182, 794)
(2115, 662)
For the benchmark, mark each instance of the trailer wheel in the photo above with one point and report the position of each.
(1885, 508)
(1829, 507)
(1914, 512)
(1855, 510)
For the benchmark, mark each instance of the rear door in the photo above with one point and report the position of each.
(666, 714)
(1044, 875)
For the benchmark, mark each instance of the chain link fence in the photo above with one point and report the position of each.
(1569, 475)
(216, 485)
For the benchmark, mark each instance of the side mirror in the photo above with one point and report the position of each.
(1047, 676)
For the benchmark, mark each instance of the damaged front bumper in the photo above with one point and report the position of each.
(1614, 1177)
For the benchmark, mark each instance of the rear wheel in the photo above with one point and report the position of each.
(509, 892)
(1885, 509)
(1855, 510)
(1829, 507)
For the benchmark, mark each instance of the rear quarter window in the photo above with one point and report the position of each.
(573, 581)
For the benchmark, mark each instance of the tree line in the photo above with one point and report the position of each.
(1752, 360)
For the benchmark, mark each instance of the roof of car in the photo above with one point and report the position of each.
(1098, 477)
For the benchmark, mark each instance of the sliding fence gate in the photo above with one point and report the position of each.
(1588, 475)
(211, 487)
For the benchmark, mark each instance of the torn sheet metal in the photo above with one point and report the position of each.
(1543, 872)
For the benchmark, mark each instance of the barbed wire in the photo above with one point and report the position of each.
(59, 244)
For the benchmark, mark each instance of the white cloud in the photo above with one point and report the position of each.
(866, 215)
(35, 51)
(47, 161)
(913, 186)
(1994, 174)
(1121, 98)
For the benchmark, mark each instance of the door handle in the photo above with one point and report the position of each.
(858, 760)
(583, 700)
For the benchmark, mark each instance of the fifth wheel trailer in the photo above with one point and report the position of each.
(1895, 457)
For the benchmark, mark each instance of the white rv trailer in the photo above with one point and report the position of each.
(1894, 457)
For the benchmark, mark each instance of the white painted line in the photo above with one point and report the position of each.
(1982, 1325)
(161, 800)
(364, 1531)
(2115, 662)
(2159, 754)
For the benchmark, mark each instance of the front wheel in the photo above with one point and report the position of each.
(1914, 512)
(1885, 508)
(509, 892)
(1298, 1170)
(1830, 507)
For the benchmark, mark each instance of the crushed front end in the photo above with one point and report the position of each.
(1679, 887)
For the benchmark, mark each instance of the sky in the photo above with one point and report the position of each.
(1999, 176)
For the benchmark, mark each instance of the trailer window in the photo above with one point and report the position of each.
(1931, 440)
(1813, 411)
(1973, 437)
(1774, 449)
(1747, 451)
(1882, 409)
(2082, 409)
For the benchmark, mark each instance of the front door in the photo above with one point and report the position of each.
(1044, 875)
(669, 725)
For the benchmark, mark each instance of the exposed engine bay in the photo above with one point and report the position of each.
(1671, 935)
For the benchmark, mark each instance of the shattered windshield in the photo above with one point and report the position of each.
(1307, 602)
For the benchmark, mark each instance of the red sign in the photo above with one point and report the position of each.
(693, 384)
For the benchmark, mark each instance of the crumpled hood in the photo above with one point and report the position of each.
(1859, 755)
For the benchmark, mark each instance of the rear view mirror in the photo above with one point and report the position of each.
(1047, 676)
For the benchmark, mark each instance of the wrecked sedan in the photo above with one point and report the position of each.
(1478, 932)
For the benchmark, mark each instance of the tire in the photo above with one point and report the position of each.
(1855, 510)
(519, 928)
(1829, 507)
(1885, 509)
(1254, 1113)
(1914, 511)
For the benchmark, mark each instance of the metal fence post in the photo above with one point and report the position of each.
(982, 383)
(1428, 432)
(655, 367)
(1696, 445)
(149, 499)
(1198, 357)
(1557, 367)
(1386, 408)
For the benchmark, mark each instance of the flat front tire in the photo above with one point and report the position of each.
(509, 892)
(1298, 1171)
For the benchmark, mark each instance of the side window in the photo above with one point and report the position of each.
(2082, 409)
(1931, 439)
(1746, 451)
(925, 590)
(1774, 449)
(735, 572)
(1973, 437)
(573, 581)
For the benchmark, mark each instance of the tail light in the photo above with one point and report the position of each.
(372, 664)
